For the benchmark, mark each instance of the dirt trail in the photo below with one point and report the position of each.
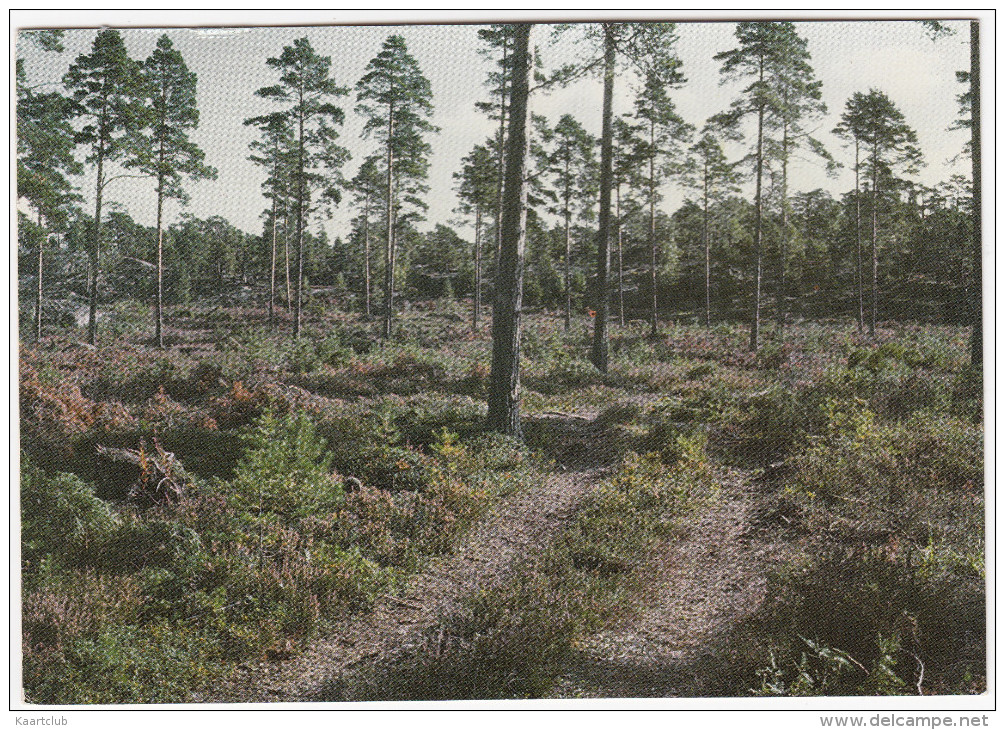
(699, 586)
(514, 527)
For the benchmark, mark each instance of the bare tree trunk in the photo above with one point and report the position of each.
(389, 244)
(653, 253)
(159, 316)
(476, 311)
(600, 343)
(621, 266)
(38, 290)
(858, 241)
(977, 303)
(568, 255)
(366, 255)
(501, 174)
(94, 258)
(755, 325)
(875, 256)
(708, 252)
(286, 251)
(504, 387)
(300, 227)
(784, 241)
(272, 261)
(159, 306)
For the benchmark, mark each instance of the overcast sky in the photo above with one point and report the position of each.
(896, 57)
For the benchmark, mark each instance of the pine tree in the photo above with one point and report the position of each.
(970, 114)
(504, 379)
(973, 121)
(851, 128)
(627, 178)
(166, 152)
(476, 191)
(318, 158)
(273, 153)
(45, 146)
(761, 57)
(714, 177)
(662, 131)
(891, 148)
(497, 47)
(105, 87)
(366, 186)
(649, 47)
(569, 163)
(799, 103)
(396, 100)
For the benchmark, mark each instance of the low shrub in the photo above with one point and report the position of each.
(921, 480)
(874, 624)
(62, 517)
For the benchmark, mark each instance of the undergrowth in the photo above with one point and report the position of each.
(314, 476)
(509, 638)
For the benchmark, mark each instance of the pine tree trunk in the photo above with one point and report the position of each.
(568, 258)
(708, 253)
(159, 307)
(875, 230)
(504, 386)
(286, 252)
(366, 255)
(653, 253)
(621, 265)
(977, 287)
(784, 239)
(389, 244)
(92, 304)
(272, 261)
(755, 325)
(300, 225)
(476, 310)
(600, 343)
(501, 174)
(38, 283)
(858, 241)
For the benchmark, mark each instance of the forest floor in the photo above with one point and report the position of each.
(518, 524)
(688, 524)
(697, 587)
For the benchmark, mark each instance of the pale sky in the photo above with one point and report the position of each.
(896, 57)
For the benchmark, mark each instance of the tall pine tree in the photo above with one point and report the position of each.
(396, 100)
(476, 190)
(45, 146)
(273, 152)
(368, 191)
(760, 57)
(504, 379)
(799, 103)
(166, 152)
(650, 48)
(497, 47)
(316, 172)
(570, 164)
(713, 177)
(662, 132)
(106, 89)
(891, 149)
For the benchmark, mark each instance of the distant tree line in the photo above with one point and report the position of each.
(597, 236)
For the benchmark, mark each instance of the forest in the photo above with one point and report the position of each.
(613, 402)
